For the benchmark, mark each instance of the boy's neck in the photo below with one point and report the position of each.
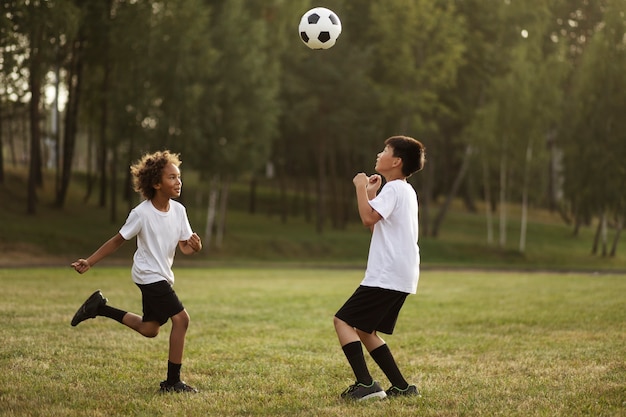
(392, 176)
(395, 178)
(160, 203)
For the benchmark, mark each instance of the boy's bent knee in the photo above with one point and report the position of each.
(337, 322)
(150, 332)
(181, 319)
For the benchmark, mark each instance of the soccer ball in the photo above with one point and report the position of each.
(319, 28)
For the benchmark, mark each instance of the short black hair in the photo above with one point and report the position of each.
(411, 151)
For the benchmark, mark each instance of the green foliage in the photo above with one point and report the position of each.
(594, 138)
(241, 98)
(419, 49)
(59, 236)
(261, 343)
(230, 86)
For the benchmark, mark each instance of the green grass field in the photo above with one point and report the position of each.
(261, 343)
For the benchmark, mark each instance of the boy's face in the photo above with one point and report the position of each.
(385, 161)
(171, 183)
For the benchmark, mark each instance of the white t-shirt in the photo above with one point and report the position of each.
(158, 234)
(394, 258)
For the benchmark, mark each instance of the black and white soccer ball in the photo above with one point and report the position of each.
(319, 28)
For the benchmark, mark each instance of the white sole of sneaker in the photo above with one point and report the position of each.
(376, 395)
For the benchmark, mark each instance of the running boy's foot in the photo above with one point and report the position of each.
(360, 392)
(89, 309)
(180, 386)
(411, 390)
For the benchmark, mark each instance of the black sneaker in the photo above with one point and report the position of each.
(360, 392)
(411, 390)
(180, 386)
(89, 309)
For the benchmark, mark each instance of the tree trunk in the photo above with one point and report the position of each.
(554, 175)
(487, 191)
(113, 212)
(252, 199)
(453, 191)
(283, 185)
(15, 116)
(221, 218)
(89, 178)
(321, 186)
(598, 236)
(618, 231)
(604, 234)
(524, 222)
(211, 210)
(102, 166)
(34, 171)
(56, 124)
(425, 199)
(503, 179)
(1, 147)
(306, 200)
(71, 120)
(333, 188)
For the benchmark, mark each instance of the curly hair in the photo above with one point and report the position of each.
(148, 170)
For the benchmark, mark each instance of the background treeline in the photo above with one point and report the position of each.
(517, 102)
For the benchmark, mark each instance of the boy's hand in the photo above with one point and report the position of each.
(194, 242)
(81, 266)
(360, 180)
(373, 183)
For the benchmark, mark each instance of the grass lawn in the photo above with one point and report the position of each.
(261, 343)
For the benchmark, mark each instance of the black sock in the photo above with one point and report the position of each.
(356, 359)
(111, 312)
(383, 357)
(173, 372)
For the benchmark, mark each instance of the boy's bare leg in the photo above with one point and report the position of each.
(145, 328)
(348, 334)
(371, 341)
(180, 323)
(345, 332)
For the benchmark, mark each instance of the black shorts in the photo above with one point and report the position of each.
(160, 302)
(371, 308)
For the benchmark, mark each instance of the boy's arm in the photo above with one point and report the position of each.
(191, 245)
(82, 265)
(366, 188)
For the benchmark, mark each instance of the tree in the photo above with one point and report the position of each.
(329, 124)
(73, 82)
(40, 28)
(594, 140)
(241, 106)
(418, 46)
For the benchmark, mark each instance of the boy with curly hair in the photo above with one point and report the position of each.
(392, 268)
(160, 224)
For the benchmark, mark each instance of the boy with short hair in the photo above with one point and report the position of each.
(160, 224)
(392, 268)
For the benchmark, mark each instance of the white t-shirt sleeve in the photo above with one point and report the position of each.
(384, 202)
(132, 227)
